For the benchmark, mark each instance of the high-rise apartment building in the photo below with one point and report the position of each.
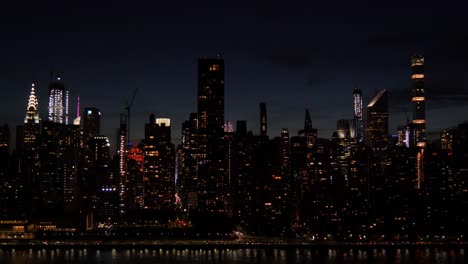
(211, 134)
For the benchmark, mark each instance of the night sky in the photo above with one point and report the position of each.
(288, 54)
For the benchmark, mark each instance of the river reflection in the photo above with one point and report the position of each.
(249, 255)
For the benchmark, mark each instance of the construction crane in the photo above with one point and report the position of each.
(128, 107)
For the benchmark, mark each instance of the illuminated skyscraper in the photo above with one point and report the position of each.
(159, 164)
(58, 101)
(31, 127)
(377, 120)
(77, 120)
(358, 124)
(32, 112)
(419, 102)
(122, 153)
(263, 120)
(211, 134)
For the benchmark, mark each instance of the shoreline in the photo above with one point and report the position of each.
(212, 245)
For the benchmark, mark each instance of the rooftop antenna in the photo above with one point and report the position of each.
(78, 107)
(128, 107)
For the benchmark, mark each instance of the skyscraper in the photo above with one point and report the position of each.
(31, 127)
(358, 124)
(91, 123)
(211, 134)
(187, 181)
(241, 127)
(122, 153)
(343, 128)
(159, 164)
(58, 101)
(4, 146)
(77, 120)
(59, 156)
(29, 150)
(419, 102)
(32, 112)
(310, 133)
(377, 120)
(263, 120)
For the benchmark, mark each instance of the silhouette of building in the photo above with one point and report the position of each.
(308, 131)
(187, 182)
(59, 155)
(97, 170)
(28, 143)
(446, 140)
(241, 127)
(4, 150)
(377, 120)
(135, 187)
(343, 128)
(91, 120)
(210, 137)
(10, 187)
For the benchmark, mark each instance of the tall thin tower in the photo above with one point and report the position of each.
(358, 124)
(263, 120)
(419, 102)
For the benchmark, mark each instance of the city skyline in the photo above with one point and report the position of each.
(233, 131)
(296, 50)
(253, 126)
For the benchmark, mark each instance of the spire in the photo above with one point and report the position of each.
(32, 113)
(32, 103)
(78, 107)
(307, 121)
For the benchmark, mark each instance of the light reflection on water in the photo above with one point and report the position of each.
(258, 255)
